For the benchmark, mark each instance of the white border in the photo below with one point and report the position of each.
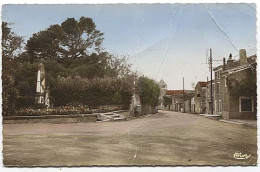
(148, 169)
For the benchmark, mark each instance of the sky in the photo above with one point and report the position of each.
(162, 41)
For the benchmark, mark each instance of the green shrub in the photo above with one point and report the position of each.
(149, 91)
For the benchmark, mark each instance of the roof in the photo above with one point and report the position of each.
(202, 84)
(237, 69)
(218, 68)
(250, 62)
(172, 92)
(162, 82)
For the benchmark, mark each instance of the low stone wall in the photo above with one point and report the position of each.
(56, 119)
(148, 109)
(238, 115)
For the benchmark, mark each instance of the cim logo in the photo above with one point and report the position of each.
(239, 155)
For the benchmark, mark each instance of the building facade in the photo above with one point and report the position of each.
(163, 88)
(200, 97)
(239, 87)
(217, 98)
(210, 108)
(177, 100)
(181, 100)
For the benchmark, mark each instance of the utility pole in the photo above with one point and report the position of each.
(211, 90)
(183, 95)
(210, 62)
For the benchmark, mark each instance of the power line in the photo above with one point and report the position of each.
(171, 40)
(215, 21)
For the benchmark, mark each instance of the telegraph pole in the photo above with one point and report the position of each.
(183, 95)
(211, 91)
(210, 62)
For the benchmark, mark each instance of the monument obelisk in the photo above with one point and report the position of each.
(40, 86)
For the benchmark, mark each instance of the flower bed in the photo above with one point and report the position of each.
(67, 110)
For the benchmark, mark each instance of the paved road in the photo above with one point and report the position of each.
(167, 138)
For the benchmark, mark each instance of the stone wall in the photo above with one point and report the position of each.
(148, 109)
(238, 115)
(51, 119)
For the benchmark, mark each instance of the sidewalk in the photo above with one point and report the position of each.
(245, 122)
(248, 123)
(210, 116)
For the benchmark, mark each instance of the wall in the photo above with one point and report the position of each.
(187, 105)
(231, 102)
(197, 99)
(57, 119)
(217, 93)
(238, 115)
(148, 109)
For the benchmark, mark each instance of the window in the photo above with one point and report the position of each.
(218, 88)
(216, 106)
(198, 95)
(217, 74)
(246, 104)
(226, 81)
(220, 106)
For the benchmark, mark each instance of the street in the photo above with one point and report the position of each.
(166, 138)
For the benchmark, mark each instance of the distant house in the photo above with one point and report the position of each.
(239, 87)
(209, 107)
(187, 105)
(188, 98)
(163, 88)
(200, 97)
(215, 105)
(177, 101)
(192, 105)
(218, 99)
(181, 100)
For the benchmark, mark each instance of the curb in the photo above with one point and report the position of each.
(238, 123)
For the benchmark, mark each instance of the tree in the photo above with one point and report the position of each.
(80, 36)
(45, 44)
(92, 92)
(11, 46)
(11, 43)
(167, 101)
(117, 66)
(72, 55)
(71, 39)
(149, 91)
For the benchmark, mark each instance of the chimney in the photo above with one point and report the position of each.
(224, 63)
(242, 57)
(230, 62)
(230, 57)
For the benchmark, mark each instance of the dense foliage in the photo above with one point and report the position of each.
(167, 100)
(79, 73)
(71, 39)
(11, 46)
(149, 91)
(243, 88)
(94, 92)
